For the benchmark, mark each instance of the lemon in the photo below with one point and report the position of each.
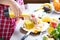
(28, 24)
(11, 14)
(46, 19)
(25, 14)
(50, 29)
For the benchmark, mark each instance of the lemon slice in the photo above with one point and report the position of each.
(50, 29)
(11, 14)
(46, 19)
(28, 24)
(25, 14)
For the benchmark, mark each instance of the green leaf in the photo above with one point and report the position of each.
(58, 25)
(56, 31)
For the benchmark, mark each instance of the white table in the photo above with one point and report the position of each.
(17, 35)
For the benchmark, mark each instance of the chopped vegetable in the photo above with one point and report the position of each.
(47, 38)
(53, 24)
(50, 29)
(56, 32)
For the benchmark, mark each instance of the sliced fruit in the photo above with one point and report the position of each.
(53, 24)
(25, 15)
(50, 29)
(28, 24)
(46, 19)
(35, 31)
(59, 1)
(56, 5)
(11, 14)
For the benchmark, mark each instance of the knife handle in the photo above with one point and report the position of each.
(25, 36)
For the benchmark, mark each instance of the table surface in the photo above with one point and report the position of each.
(18, 33)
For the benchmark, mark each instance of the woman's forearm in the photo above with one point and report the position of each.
(14, 4)
(15, 7)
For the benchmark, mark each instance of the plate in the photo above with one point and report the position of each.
(39, 29)
(33, 29)
(57, 12)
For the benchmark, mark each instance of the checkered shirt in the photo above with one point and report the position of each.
(6, 24)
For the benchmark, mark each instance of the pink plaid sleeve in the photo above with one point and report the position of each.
(6, 24)
(20, 2)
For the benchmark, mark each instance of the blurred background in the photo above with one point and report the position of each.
(36, 1)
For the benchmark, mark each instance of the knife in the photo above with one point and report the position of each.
(26, 35)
